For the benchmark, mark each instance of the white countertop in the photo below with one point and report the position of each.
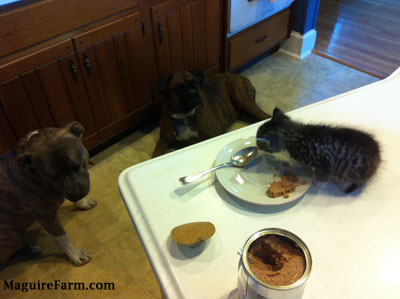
(354, 239)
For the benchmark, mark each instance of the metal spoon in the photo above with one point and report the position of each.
(240, 159)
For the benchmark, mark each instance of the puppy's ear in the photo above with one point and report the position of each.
(76, 129)
(163, 83)
(24, 160)
(199, 75)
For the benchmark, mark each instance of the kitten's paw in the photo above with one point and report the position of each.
(350, 187)
(85, 203)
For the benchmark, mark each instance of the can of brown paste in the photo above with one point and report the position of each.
(274, 263)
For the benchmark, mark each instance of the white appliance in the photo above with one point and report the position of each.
(244, 13)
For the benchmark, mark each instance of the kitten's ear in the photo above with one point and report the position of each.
(278, 114)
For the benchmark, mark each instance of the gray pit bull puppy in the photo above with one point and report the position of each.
(44, 168)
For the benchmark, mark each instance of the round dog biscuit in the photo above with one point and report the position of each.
(192, 233)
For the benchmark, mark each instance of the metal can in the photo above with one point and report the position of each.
(251, 287)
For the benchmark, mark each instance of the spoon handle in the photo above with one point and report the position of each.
(194, 177)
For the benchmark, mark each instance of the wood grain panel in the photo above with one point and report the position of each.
(127, 121)
(45, 19)
(141, 64)
(127, 77)
(187, 33)
(175, 41)
(161, 40)
(54, 87)
(7, 136)
(110, 77)
(102, 32)
(167, 7)
(94, 88)
(18, 108)
(361, 34)
(213, 23)
(79, 98)
(199, 35)
(36, 95)
(31, 61)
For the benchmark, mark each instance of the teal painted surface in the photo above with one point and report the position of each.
(306, 14)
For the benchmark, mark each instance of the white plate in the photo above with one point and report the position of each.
(250, 184)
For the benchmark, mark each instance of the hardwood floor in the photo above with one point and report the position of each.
(363, 34)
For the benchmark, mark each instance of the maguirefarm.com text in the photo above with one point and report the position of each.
(56, 285)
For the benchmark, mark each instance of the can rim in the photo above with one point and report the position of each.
(289, 235)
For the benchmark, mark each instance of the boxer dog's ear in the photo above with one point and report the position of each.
(199, 75)
(163, 83)
(76, 129)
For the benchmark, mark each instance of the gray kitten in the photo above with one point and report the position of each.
(344, 156)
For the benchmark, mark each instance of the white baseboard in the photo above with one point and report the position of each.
(299, 46)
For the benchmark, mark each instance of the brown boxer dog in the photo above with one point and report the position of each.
(196, 108)
(44, 168)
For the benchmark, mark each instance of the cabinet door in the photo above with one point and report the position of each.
(187, 35)
(7, 135)
(47, 90)
(118, 71)
(17, 106)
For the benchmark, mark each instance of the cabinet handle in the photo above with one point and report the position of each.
(74, 69)
(261, 39)
(160, 32)
(86, 61)
(143, 29)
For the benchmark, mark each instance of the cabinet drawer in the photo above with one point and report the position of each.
(32, 23)
(102, 32)
(32, 60)
(259, 39)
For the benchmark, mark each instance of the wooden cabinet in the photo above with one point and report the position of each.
(35, 21)
(102, 77)
(99, 69)
(118, 71)
(7, 135)
(45, 89)
(187, 35)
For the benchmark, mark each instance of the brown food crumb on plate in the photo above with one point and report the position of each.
(287, 184)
